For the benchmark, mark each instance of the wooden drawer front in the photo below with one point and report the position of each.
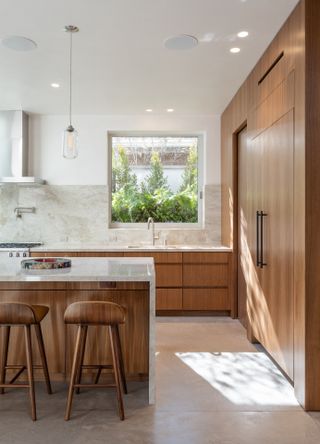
(168, 275)
(169, 299)
(206, 299)
(159, 258)
(206, 275)
(206, 258)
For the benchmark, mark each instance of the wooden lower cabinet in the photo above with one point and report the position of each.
(205, 275)
(214, 299)
(169, 299)
(185, 281)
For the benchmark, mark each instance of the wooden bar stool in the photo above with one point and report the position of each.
(96, 313)
(20, 314)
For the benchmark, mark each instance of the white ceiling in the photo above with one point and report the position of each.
(120, 63)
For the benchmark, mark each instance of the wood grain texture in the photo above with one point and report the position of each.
(169, 299)
(298, 36)
(270, 302)
(169, 278)
(59, 340)
(312, 205)
(206, 299)
(205, 275)
(168, 275)
(242, 225)
(206, 258)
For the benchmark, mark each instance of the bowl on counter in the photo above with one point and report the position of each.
(46, 263)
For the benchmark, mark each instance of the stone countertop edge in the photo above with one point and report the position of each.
(124, 249)
(118, 269)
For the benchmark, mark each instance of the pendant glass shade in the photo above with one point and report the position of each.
(70, 135)
(70, 143)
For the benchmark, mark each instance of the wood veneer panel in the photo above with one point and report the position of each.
(205, 275)
(59, 342)
(206, 258)
(312, 159)
(291, 40)
(169, 299)
(276, 105)
(168, 275)
(206, 299)
(298, 36)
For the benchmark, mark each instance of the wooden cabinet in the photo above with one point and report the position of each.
(185, 281)
(59, 339)
(206, 281)
(169, 299)
(213, 299)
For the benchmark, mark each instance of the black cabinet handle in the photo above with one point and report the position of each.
(258, 261)
(262, 262)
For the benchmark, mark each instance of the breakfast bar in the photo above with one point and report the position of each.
(129, 282)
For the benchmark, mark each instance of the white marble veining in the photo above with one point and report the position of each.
(82, 269)
(79, 214)
(87, 247)
(96, 269)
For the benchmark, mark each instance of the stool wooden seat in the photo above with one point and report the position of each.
(98, 313)
(19, 314)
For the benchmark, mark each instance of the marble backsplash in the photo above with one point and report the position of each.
(79, 214)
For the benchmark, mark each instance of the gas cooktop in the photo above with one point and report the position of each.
(20, 244)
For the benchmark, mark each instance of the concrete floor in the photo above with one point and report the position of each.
(213, 387)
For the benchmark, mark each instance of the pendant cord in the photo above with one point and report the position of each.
(70, 80)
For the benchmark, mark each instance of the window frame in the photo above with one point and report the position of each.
(160, 225)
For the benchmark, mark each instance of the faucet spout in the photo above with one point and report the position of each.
(151, 222)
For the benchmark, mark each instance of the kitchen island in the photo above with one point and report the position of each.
(129, 282)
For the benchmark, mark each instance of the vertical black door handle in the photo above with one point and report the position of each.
(258, 261)
(262, 262)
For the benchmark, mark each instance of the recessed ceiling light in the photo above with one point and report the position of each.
(55, 85)
(235, 50)
(18, 43)
(243, 34)
(181, 42)
(170, 110)
(149, 110)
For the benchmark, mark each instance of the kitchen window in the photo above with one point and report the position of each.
(158, 176)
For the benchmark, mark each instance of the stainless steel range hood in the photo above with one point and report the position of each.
(14, 149)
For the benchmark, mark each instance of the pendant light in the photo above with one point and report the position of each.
(70, 135)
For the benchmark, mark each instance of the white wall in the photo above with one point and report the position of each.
(90, 168)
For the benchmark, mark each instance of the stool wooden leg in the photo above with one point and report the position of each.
(122, 371)
(43, 356)
(4, 359)
(27, 331)
(115, 361)
(74, 371)
(82, 350)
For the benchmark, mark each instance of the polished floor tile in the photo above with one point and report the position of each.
(213, 387)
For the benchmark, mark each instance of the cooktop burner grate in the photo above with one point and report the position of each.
(19, 244)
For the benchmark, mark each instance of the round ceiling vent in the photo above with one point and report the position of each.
(181, 42)
(18, 43)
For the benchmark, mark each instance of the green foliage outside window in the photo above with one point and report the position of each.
(133, 202)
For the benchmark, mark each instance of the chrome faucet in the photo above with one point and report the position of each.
(151, 222)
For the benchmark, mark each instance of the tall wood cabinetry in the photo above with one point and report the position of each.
(266, 237)
(278, 169)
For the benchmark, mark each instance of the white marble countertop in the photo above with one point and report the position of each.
(83, 247)
(83, 269)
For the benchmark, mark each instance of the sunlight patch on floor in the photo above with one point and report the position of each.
(243, 378)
